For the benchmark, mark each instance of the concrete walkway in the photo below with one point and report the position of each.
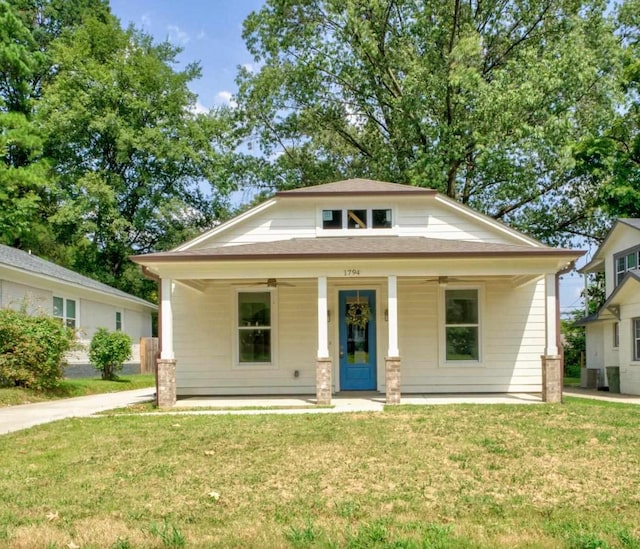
(601, 395)
(15, 418)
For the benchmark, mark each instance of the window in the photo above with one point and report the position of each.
(636, 339)
(254, 327)
(332, 219)
(353, 219)
(461, 325)
(118, 321)
(65, 310)
(626, 261)
(381, 219)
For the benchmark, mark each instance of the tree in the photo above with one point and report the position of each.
(614, 155)
(23, 171)
(481, 100)
(130, 156)
(27, 28)
(108, 351)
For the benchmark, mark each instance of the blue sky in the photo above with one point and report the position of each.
(210, 32)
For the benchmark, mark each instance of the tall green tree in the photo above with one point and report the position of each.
(481, 100)
(28, 197)
(130, 157)
(613, 156)
(23, 171)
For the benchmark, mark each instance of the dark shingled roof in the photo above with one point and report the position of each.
(357, 187)
(357, 246)
(27, 262)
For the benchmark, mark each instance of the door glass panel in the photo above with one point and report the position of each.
(357, 331)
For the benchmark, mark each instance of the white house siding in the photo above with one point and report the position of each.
(629, 369)
(595, 345)
(94, 315)
(205, 339)
(437, 221)
(204, 336)
(414, 217)
(14, 295)
(512, 340)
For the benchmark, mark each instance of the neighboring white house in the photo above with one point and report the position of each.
(613, 333)
(80, 302)
(358, 285)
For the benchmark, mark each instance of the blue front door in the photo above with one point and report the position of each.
(357, 340)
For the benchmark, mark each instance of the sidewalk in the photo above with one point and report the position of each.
(15, 418)
(601, 395)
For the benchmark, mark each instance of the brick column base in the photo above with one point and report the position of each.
(392, 381)
(323, 381)
(166, 397)
(551, 378)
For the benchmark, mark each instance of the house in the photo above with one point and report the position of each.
(80, 302)
(358, 285)
(613, 332)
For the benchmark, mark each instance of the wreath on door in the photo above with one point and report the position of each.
(358, 314)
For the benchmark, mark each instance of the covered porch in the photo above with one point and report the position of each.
(405, 337)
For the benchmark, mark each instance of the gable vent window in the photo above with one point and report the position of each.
(626, 261)
(357, 219)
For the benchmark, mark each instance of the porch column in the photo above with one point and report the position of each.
(551, 360)
(166, 371)
(392, 360)
(323, 360)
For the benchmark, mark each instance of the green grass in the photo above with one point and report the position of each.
(411, 477)
(75, 388)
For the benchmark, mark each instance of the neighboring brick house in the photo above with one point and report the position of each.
(359, 285)
(613, 332)
(80, 302)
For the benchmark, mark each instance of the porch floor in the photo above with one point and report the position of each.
(354, 401)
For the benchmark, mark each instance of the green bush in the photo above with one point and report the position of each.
(32, 349)
(108, 350)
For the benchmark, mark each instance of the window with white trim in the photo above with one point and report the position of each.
(353, 219)
(254, 327)
(118, 321)
(461, 325)
(616, 335)
(636, 339)
(65, 310)
(625, 261)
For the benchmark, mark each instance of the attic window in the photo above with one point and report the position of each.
(626, 261)
(354, 219)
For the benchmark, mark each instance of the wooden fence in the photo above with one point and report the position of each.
(148, 354)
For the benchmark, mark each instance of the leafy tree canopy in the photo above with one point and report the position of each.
(129, 154)
(481, 100)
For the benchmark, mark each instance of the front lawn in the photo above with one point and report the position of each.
(74, 388)
(440, 476)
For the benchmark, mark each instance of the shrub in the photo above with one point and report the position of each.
(108, 350)
(32, 349)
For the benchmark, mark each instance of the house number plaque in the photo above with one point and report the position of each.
(352, 272)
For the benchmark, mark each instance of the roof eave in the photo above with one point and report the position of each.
(569, 255)
(299, 194)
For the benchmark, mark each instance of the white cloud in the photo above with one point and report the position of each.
(226, 98)
(198, 108)
(177, 35)
(248, 67)
(201, 35)
(145, 21)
